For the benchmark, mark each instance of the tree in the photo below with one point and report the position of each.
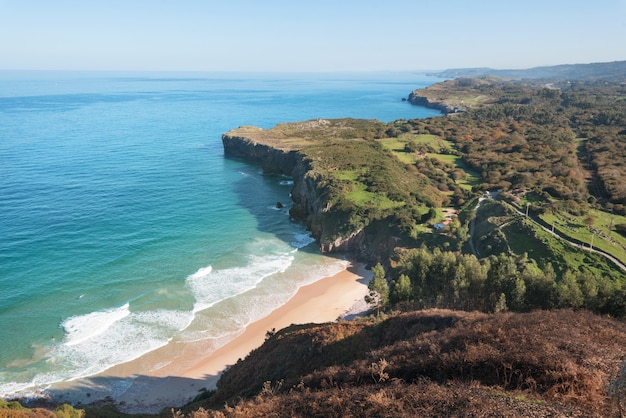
(410, 146)
(439, 287)
(502, 280)
(474, 278)
(430, 215)
(569, 293)
(589, 220)
(540, 287)
(501, 304)
(379, 288)
(621, 228)
(402, 290)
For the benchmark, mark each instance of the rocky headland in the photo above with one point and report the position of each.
(280, 151)
(458, 95)
(416, 98)
(352, 195)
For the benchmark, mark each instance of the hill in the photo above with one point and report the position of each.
(351, 191)
(430, 363)
(605, 71)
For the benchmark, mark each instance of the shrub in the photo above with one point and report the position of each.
(68, 411)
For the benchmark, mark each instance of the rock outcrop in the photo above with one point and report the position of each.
(272, 160)
(423, 101)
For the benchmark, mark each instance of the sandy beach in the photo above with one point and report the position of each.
(154, 381)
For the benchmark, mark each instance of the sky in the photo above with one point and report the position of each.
(307, 35)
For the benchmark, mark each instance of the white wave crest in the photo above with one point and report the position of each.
(125, 339)
(302, 240)
(202, 272)
(84, 327)
(99, 340)
(214, 286)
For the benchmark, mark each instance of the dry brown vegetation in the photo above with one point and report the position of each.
(33, 413)
(14, 409)
(430, 363)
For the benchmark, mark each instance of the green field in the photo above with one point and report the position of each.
(603, 238)
(397, 144)
(397, 147)
(361, 197)
(525, 236)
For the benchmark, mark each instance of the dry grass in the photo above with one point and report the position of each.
(395, 399)
(298, 135)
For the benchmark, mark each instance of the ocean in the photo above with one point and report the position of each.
(123, 226)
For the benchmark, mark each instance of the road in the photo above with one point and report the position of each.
(579, 245)
(572, 243)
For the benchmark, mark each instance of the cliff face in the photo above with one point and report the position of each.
(309, 193)
(272, 160)
(423, 101)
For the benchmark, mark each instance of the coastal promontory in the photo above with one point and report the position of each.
(353, 194)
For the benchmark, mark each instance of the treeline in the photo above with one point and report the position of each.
(608, 154)
(444, 279)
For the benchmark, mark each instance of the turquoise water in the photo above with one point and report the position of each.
(122, 225)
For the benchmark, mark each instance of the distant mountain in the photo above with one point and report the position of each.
(605, 71)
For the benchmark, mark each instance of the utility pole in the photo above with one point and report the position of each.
(527, 205)
(591, 245)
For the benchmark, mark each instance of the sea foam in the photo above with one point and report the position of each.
(84, 327)
(99, 340)
(302, 240)
(130, 336)
(209, 286)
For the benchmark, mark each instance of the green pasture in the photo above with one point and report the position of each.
(396, 146)
(361, 197)
(578, 227)
(525, 236)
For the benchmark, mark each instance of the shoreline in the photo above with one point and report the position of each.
(172, 384)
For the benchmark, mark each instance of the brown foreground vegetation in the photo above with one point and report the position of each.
(429, 363)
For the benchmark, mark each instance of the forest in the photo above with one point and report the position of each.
(559, 151)
(568, 139)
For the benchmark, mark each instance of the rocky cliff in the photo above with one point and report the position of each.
(309, 193)
(272, 160)
(424, 101)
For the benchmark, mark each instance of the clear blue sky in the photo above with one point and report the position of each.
(307, 35)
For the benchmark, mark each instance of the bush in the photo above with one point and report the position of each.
(68, 411)
(12, 405)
